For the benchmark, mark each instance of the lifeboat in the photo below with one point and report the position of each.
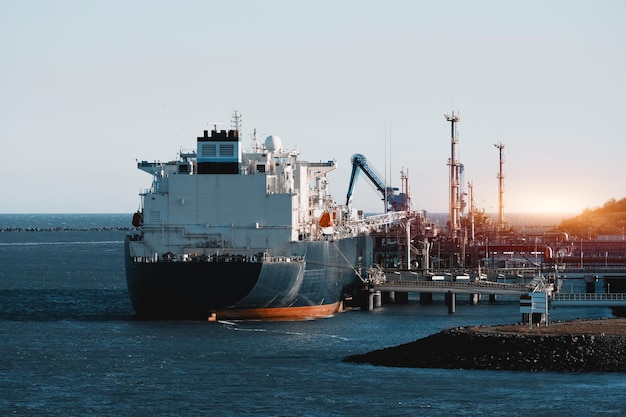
(325, 220)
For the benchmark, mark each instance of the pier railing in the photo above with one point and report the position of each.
(475, 287)
(589, 299)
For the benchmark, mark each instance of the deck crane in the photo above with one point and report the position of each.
(395, 201)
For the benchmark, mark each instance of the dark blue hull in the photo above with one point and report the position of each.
(310, 284)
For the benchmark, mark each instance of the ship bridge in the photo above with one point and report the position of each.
(320, 169)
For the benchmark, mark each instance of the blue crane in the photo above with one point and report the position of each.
(395, 201)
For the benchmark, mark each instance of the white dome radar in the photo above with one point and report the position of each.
(273, 143)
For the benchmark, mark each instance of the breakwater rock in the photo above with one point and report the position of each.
(559, 347)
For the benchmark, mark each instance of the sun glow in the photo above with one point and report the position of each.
(549, 204)
(554, 206)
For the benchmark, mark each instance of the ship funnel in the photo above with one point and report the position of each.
(219, 153)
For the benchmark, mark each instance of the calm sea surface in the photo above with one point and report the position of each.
(71, 347)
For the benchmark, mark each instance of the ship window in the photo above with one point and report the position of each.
(260, 168)
(227, 149)
(209, 149)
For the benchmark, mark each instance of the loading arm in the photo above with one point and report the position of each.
(359, 163)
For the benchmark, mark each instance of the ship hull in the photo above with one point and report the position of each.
(310, 285)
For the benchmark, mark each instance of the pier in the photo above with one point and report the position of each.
(455, 287)
(396, 290)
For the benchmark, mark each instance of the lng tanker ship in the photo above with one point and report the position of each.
(244, 235)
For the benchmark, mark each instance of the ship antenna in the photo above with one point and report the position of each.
(235, 124)
(255, 143)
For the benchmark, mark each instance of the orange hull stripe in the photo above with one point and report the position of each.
(280, 313)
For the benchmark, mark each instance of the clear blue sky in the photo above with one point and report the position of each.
(88, 87)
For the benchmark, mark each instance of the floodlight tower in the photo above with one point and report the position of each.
(500, 177)
(455, 173)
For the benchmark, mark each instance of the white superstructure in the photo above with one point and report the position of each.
(221, 200)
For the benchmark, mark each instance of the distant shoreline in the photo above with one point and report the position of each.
(63, 229)
(17, 220)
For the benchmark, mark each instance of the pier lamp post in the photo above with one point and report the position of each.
(581, 253)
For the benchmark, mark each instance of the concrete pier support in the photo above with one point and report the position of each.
(389, 297)
(426, 298)
(370, 300)
(377, 299)
(493, 298)
(402, 297)
(451, 302)
(366, 299)
(474, 299)
(533, 318)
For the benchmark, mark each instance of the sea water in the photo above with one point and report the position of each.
(70, 345)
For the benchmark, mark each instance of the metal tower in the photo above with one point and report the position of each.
(470, 195)
(500, 177)
(455, 174)
(406, 193)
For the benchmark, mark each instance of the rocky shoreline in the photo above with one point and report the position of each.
(577, 346)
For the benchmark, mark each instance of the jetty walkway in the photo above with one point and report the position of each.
(394, 287)
(455, 287)
(397, 290)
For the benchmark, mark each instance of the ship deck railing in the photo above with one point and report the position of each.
(217, 258)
